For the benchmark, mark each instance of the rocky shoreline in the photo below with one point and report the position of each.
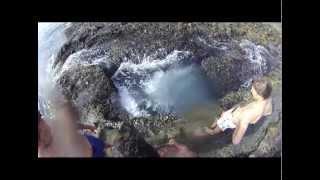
(218, 48)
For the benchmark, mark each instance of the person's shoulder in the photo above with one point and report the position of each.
(268, 108)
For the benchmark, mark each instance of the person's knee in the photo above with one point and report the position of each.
(217, 130)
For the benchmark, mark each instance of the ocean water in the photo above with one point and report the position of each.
(163, 85)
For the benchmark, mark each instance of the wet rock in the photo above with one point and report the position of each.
(132, 41)
(238, 64)
(152, 126)
(206, 41)
(126, 141)
(270, 146)
(224, 73)
(92, 92)
(132, 144)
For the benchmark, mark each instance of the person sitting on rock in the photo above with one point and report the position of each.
(239, 118)
(60, 137)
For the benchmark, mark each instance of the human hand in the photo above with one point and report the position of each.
(172, 141)
(88, 127)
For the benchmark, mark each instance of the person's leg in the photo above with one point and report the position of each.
(205, 131)
(214, 131)
(217, 130)
(213, 125)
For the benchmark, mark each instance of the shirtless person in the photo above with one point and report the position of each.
(239, 118)
(60, 137)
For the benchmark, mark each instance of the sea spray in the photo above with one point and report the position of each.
(168, 85)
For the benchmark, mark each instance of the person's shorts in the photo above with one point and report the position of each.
(225, 122)
(97, 145)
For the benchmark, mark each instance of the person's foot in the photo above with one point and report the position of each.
(201, 132)
(209, 131)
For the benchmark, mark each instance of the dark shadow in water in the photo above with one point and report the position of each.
(218, 141)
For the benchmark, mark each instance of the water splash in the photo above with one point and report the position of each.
(160, 86)
(257, 55)
(259, 58)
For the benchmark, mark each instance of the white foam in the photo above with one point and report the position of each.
(256, 54)
(145, 77)
(147, 83)
(130, 104)
(83, 57)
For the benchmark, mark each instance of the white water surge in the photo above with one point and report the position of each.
(163, 85)
(258, 56)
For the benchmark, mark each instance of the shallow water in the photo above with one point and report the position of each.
(197, 118)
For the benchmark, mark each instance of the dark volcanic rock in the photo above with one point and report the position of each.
(271, 144)
(150, 126)
(224, 72)
(92, 92)
(238, 63)
(136, 39)
(133, 41)
(132, 144)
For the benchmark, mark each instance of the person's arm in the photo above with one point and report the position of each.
(269, 110)
(66, 121)
(239, 132)
(67, 118)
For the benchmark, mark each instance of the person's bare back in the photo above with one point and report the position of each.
(239, 118)
(253, 112)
